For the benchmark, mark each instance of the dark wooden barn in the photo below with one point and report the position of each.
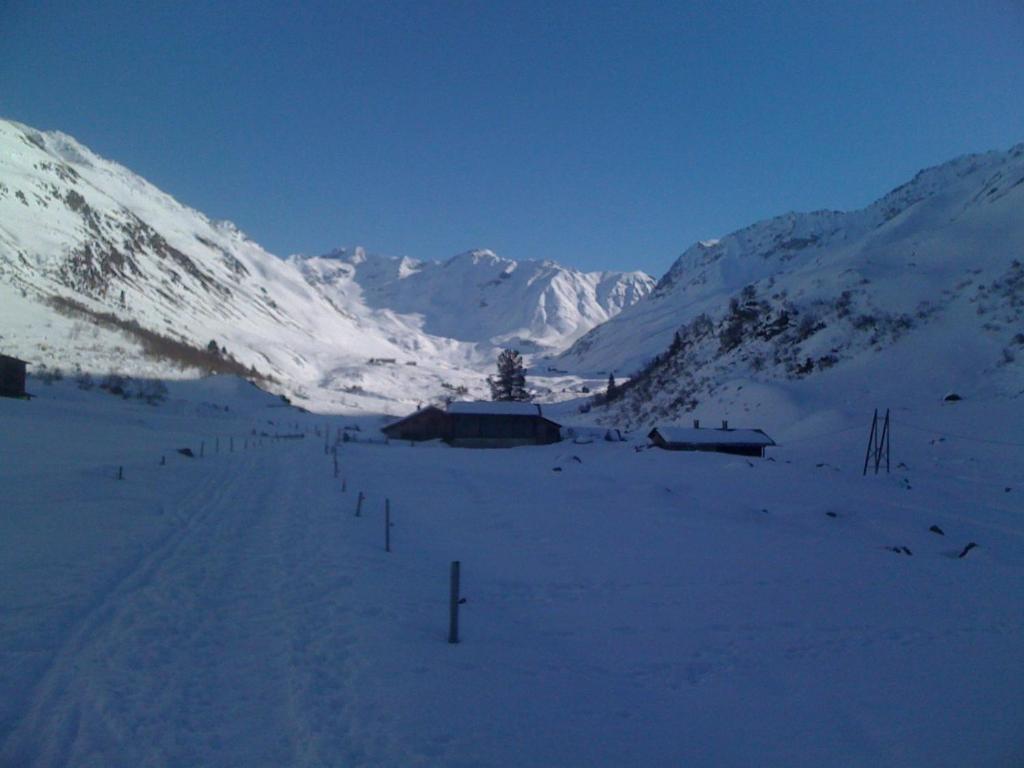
(741, 442)
(12, 377)
(479, 425)
(501, 425)
(428, 423)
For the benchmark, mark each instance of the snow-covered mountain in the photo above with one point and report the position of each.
(478, 296)
(923, 289)
(101, 270)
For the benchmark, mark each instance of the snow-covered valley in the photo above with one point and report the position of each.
(631, 608)
(101, 271)
(625, 605)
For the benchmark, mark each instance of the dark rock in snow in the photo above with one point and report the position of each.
(967, 549)
(186, 452)
(900, 550)
(936, 529)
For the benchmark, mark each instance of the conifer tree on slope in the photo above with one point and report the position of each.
(510, 383)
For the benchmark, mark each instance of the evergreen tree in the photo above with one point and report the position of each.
(612, 392)
(677, 344)
(510, 383)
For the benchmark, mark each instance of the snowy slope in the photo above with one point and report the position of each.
(635, 608)
(960, 221)
(932, 270)
(478, 296)
(81, 236)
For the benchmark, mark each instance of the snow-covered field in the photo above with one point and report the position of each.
(624, 607)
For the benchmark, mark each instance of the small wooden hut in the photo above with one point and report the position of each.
(12, 376)
(741, 442)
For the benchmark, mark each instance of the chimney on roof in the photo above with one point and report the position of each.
(696, 423)
(725, 424)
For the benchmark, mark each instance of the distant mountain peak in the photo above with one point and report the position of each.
(84, 242)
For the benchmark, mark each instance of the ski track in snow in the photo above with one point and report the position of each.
(217, 624)
(634, 608)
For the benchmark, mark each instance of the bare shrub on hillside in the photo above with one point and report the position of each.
(160, 347)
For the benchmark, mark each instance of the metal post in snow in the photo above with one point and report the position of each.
(888, 440)
(453, 604)
(120, 473)
(335, 463)
(359, 504)
(871, 441)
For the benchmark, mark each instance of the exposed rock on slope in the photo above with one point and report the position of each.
(931, 270)
(101, 270)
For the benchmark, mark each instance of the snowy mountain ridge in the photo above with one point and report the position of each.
(99, 268)
(932, 270)
(529, 304)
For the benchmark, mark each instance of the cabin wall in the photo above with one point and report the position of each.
(502, 431)
(12, 378)
(478, 430)
(734, 449)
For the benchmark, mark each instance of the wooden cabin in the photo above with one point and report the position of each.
(428, 423)
(740, 442)
(500, 425)
(479, 425)
(12, 376)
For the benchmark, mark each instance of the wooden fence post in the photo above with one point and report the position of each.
(453, 604)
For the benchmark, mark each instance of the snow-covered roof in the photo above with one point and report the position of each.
(499, 408)
(691, 436)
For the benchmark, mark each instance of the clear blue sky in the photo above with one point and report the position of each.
(604, 135)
